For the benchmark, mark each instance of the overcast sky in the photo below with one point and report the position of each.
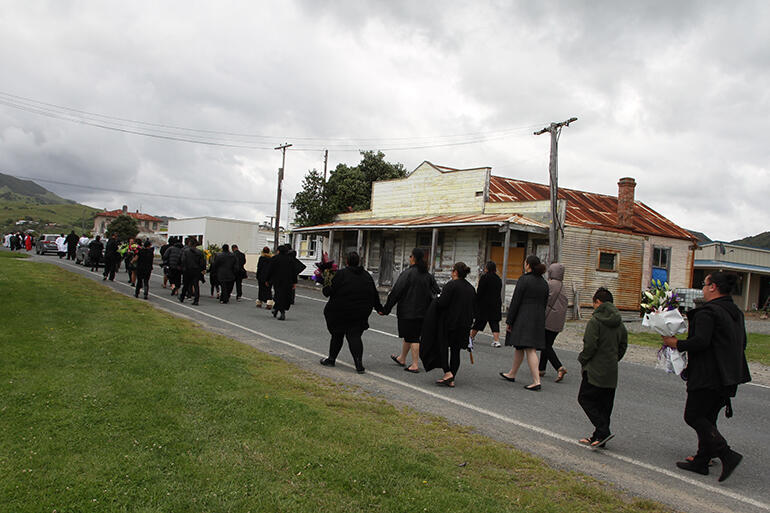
(674, 94)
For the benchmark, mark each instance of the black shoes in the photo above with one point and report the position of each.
(274, 312)
(282, 317)
(326, 362)
(533, 388)
(693, 466)
(730, 460)
(506, 378)
(359, 366)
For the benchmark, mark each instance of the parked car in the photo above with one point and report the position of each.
(46, 243)
(82, 257)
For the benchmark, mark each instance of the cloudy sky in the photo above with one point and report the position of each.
(104, 97)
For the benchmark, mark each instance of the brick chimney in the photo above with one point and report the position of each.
(626, 188)
(125, 209)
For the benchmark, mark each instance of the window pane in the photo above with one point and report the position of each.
(607, 261)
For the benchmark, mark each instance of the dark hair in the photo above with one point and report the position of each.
(225, 248)
(603, 295)
(98, 237)
(265, 250)
(234, 246)
(282, 249)
(491, 267)
(353, 259)
(462, 269)
(534, 263)
(419, 260)
(147, 243)
(725, 281)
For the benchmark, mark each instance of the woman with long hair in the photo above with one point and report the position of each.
(488, 305)
(413, 292)
(525, 324)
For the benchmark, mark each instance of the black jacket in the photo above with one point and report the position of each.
(352, 296)
(526, 315)
(193, 260)
(72, 241)
(489, 304)
(456, 304)
(95, 248)
(111, 250)
(263, 265)
(173, 256)
(715, 345)
(241, 259)
(413, 292)
(144, 259)
(225, 266)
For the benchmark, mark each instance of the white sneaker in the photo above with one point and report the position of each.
(496, 344)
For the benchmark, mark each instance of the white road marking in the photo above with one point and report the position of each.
(483, 411)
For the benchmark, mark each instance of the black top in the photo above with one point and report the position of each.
(173, 256)
(111, 248)
(715, 345)
(413, 292)
(225, 266)
(193, 260)
(352, 296)
(263, 264)
(95, 248)
(456, 304)
(144, 258)
(489, 303)
(281, 272)
(241, 258)
(526, 315)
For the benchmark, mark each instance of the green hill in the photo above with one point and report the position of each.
(761, 241)
(25, 205)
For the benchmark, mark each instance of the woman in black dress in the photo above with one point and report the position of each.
(265, 295)
(525, 324)
(413, 291)
(488, 306)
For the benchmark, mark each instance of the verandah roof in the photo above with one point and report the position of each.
(516, 222)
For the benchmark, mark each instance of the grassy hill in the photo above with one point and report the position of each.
(761, 241)
(42, 210)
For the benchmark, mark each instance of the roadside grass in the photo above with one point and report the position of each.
(107, 404)
(757, 346)
(13, 254)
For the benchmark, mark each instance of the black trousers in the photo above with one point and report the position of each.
(109, 267)
(597, 402)
(238, 288)
(227, 289)
(70, 253)
(700, 413)
(191, 286)
(95, 263)
(548, 354)
(142, 283)
(451, 362)
(355, 344)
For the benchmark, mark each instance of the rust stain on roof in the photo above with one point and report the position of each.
(586, 209)
(135, 215)
(415, 222)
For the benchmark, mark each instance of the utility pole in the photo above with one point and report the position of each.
(553, 170)
(326, 160)
(278, 200)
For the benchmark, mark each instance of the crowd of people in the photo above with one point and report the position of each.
(435, 324)
(19, 241)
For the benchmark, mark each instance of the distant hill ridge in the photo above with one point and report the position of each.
(15, 189)
(761, 241)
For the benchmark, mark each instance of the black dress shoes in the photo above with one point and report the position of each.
(730, 460)
(326, 362)
(694, 466)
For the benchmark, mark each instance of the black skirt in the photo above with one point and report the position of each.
(410, 330)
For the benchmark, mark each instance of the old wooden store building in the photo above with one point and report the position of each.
(472, 216)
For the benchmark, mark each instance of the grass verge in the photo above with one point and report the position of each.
(757, 346)
(107, 404)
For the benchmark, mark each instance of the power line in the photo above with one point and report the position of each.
(158, 131)
(150, 194)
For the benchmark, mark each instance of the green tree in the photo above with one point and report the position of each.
(348, 189)
(124, 226)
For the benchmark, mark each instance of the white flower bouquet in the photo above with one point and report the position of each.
(660, 305)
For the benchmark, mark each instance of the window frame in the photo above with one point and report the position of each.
(616, 260)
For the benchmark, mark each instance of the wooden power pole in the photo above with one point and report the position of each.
(553, 170)
(276, 236)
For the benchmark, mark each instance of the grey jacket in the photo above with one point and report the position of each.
(556, 310)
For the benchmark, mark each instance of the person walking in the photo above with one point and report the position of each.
(213, 281)
(142, 261)
(240, 273)
(413, 292)
(453, 320)
(352, 296)
(226, 268)
(604, 343)
(95, 250)
(164, 262)
(28, 242)
(555, 316)
(173, 257)
(111, 257)
(716, 349)
(488, 304)
(193, 267)
(264, 295)
(282, 277)
(525, 324)
(72, 245)
(61, 246)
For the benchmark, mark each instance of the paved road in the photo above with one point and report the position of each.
(647, 421)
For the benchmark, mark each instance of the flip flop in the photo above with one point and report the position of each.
(395, 359)
(413, 371)
(599, 444)
(585, 441)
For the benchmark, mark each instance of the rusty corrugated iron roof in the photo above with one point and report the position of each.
(587, 209)
(136, 215)
(431, 222)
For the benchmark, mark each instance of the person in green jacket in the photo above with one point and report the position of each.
(604, 344)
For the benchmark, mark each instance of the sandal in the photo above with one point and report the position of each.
(447, 382)
(560, 374)
(395, 359)
(586, 441)
(599, 444)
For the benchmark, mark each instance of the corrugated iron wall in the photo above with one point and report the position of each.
(580, 256)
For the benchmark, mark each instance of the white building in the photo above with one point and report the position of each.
(250, 237)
